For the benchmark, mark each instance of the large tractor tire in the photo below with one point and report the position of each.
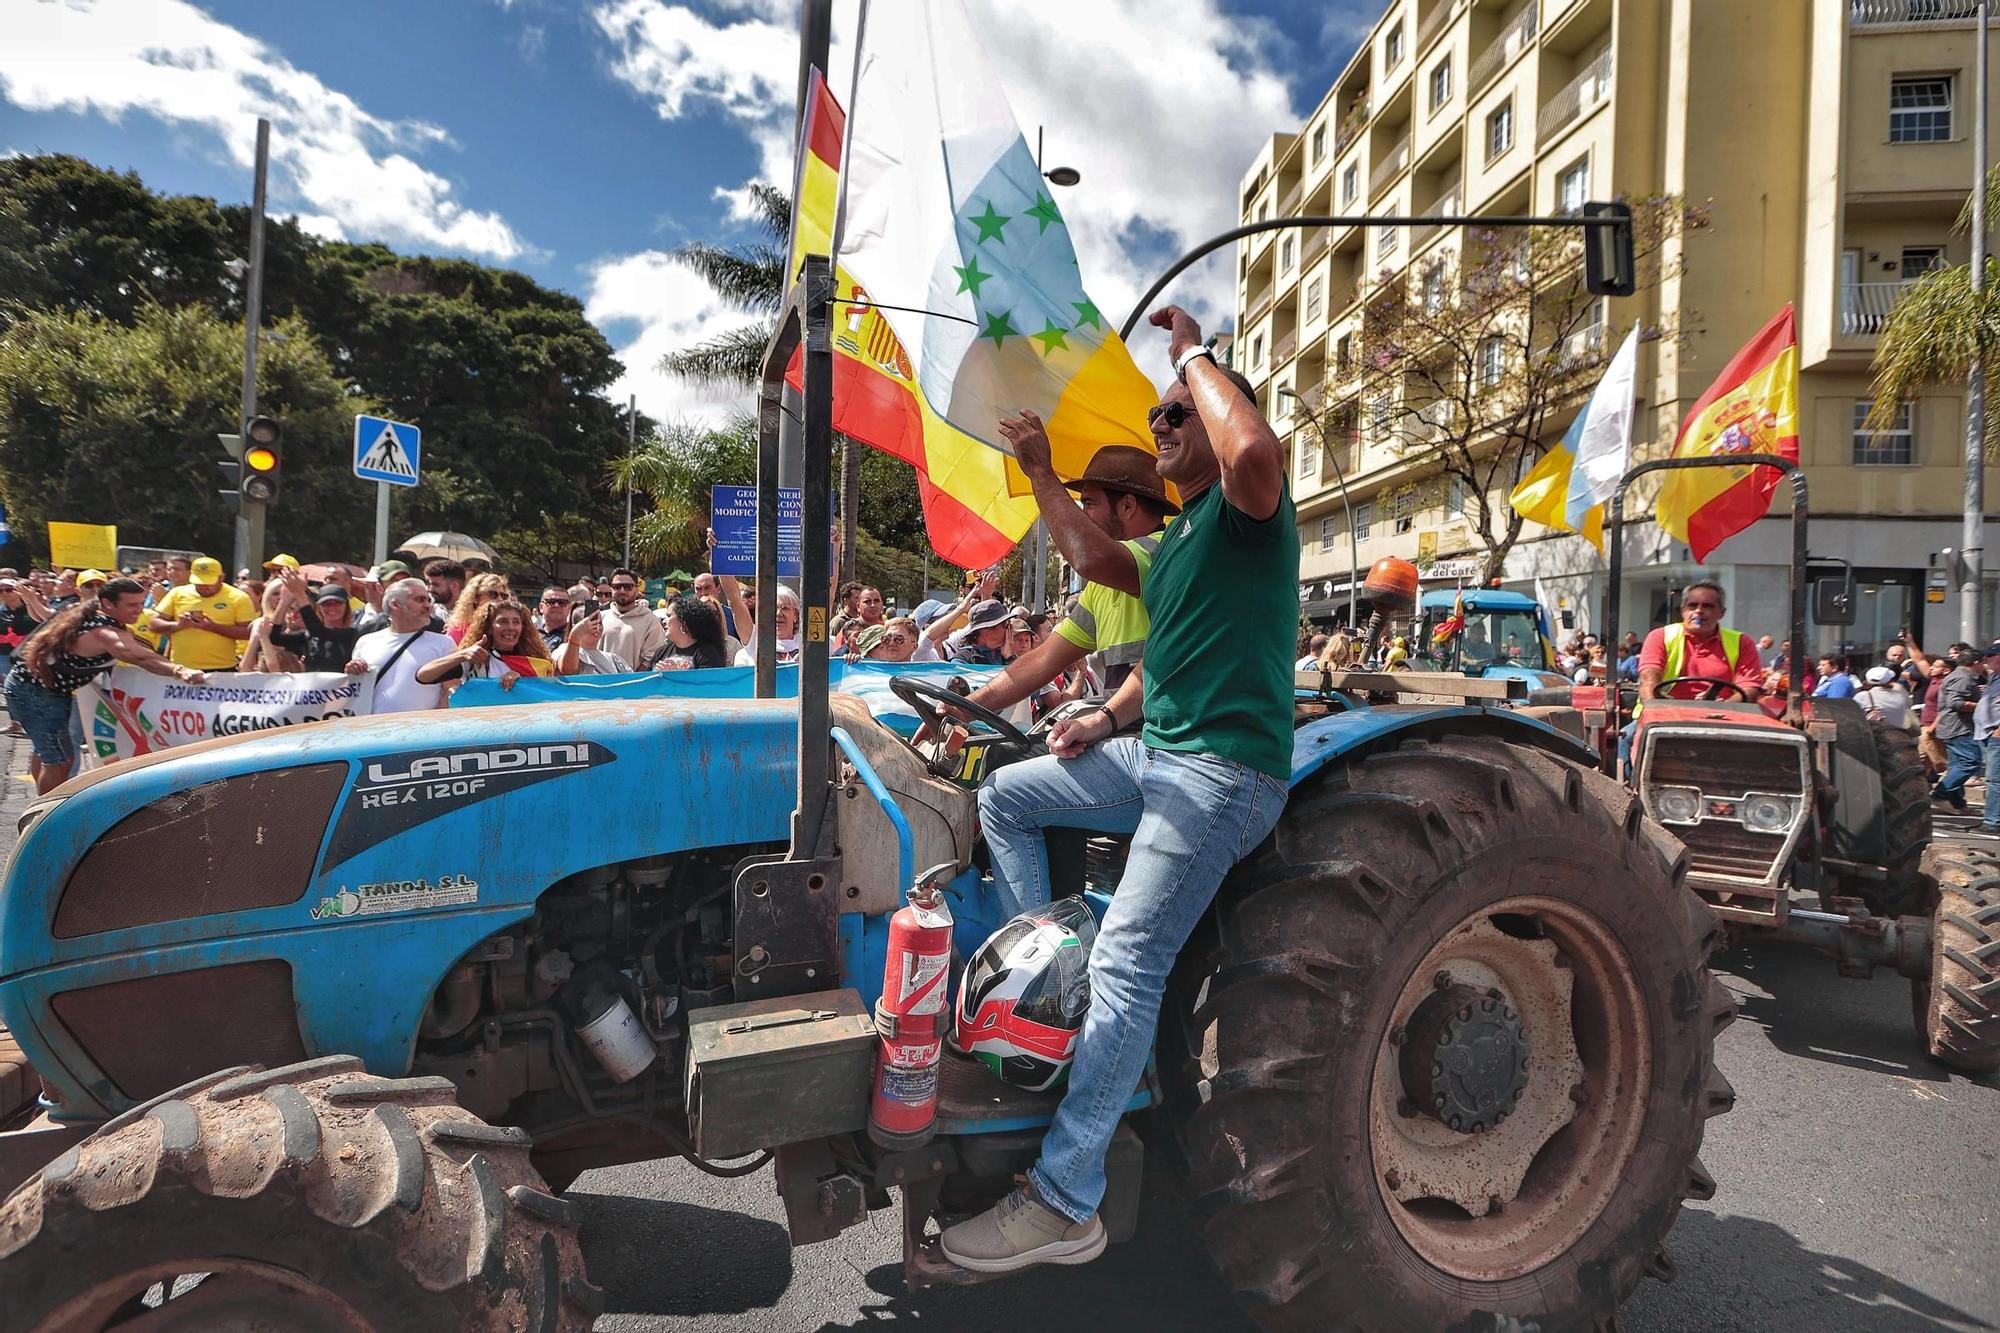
(314, 1197)
(1957, 1007)
(1881, 813)
(1446, 1048)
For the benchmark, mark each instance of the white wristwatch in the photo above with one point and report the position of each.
(1181, 361)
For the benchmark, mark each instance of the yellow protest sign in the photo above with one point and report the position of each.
(83, 546)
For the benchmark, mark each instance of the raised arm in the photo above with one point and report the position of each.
(121, 645)
(1089, 550)
(1246, 448)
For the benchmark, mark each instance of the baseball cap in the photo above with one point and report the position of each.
(330, 592)
(282, 562)
(205, 569)
(387, 568)
(90, 576)
(1880, 675)
(986, 614)
(870, 638)
(1992, 650)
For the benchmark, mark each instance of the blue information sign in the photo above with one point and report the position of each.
(387, 451)
(732, 512)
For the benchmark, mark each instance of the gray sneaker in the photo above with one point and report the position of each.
(1019, 1232)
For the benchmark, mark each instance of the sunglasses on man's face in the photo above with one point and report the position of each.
(555, 601)
(623, 587)
(1175, 413)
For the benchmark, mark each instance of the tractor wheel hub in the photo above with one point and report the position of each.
(1465, 1058)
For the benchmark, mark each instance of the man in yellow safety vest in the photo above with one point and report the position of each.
(1699, 649)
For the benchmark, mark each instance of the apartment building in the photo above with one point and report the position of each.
(1831, 141)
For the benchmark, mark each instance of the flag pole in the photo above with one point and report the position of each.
(1972, 538)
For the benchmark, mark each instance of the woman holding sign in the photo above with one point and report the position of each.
(79, 644)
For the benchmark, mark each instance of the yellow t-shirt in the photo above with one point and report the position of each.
(200, 648)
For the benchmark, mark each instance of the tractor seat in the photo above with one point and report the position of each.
(942, 815)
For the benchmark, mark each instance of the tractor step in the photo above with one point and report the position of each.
(971, 1100)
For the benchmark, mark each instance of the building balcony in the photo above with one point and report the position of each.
(1578, 98)
(1315, 244)
(1441, 14)
(1447, 204)
(1875, 13)
(1513, 40)
(1260, 306)
(1351, 125)
(1865, 307)
(1290, 203)
(1286, 346)
(1393, 164)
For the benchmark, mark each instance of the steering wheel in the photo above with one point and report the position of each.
(1715, 684)
(918, 694)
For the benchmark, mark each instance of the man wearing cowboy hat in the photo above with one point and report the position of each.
(1121, 493)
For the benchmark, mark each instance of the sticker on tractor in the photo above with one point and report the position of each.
(398, 895)
(396, 793)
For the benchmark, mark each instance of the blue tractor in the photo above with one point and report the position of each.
(1505, 637)
(333, 1014)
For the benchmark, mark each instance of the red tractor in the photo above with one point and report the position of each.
(1812, 825)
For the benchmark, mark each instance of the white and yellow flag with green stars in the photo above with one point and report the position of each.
(947, 213)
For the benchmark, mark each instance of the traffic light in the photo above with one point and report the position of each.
(1607, 251)
(263, 456)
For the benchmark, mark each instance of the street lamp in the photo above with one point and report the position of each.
(1353, 547)
(1056, 175)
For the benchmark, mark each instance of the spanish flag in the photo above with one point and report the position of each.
(1752, 408)
(971, 516)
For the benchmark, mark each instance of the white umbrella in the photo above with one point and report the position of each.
(450, 545)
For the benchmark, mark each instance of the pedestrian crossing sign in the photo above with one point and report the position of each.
(387, 451)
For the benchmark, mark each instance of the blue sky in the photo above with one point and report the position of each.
(580, 140)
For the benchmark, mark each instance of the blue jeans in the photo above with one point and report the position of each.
(1966, 759)
(47, 715)
(1193, 817)
(1990, 817)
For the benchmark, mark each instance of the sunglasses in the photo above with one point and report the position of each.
(555, 601)
(623, 587)
(1175, 413)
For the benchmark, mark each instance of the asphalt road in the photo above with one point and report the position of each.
(1855, 1190)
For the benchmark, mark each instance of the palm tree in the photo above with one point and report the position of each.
(752, 278)
(1938, 328)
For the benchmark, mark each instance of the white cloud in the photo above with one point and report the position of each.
(320, 225)
(1161, 109)
(169, 60)
(665, 307)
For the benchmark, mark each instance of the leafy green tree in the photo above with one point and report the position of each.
(752, 278)
(1938, 328)
(101, 422)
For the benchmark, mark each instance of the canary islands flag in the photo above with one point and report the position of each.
(948, 222)
(1752, 408)
(1568, 488)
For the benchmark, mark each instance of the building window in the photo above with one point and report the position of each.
(1587, 339)
(1894, 446)
(1440, 84)
(1318, 143)
(1257, 352)
(1264, 211)
(1364, 515)
(1402, 510)
(1350, 182)
(1392, 48)
(1380, 412)
(1387, 238)
(1458, 501)
(1492, 361)
(1573, 187)
(1315, 299)
(1500, 129)
(1921, 259)
(1329, 530)
(1287, 248)
(1308, 455)
(1920, 110)
(1434, 289)
(1343, 352)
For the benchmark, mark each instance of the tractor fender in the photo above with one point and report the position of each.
(1317, 743)
(347, 865)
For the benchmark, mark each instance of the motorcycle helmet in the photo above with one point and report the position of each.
(1023, 997)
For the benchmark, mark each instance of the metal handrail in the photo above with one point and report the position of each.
(1439, 15)
(1512, 40)
(1865, 306)
(1582, 93)
(1867, 13)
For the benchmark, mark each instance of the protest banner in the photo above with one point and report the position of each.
(84, 546)
(132, 712)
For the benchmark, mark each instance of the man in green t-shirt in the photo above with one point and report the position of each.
(1200, 787)
(1121, 494)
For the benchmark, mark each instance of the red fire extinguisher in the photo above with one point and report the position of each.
(910, 1017)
